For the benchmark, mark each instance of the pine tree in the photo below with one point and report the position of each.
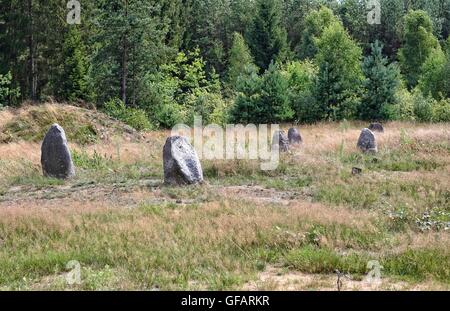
(130, 36)
(239, 61)
(340, 77)
(267, 37)
(419, 42)
(381, 84)
(72, 82)
(263, 99)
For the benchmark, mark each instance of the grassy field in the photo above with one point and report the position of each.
(244, 228)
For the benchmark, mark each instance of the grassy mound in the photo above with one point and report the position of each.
(82, 126)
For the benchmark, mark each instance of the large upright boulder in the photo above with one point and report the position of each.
(376, 127)
(367, 142)
(280, 139)
(181, 163)
(56, 159)
(294, 136)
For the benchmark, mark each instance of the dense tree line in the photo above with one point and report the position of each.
(231, 60)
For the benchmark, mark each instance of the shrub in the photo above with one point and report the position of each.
(423, 106)
(402, 109)
(441, 111)
(136, 118)
(301, 77)
(434, 77)
(166, 115)
(210, 106)
(182, 89)
(8, 94)
(263, 99)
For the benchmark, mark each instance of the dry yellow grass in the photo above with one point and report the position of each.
(308, 217)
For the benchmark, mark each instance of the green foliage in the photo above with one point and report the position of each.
(129, 44)
(263, 99)
(210, 106)
(301, 79)
(402, 109)
(71, 82)
(340, 76)
(353, 14)
(8, 93)
(138, 51)
(295, 13)
(267, 36)
(168, 114)
(380, 86)
(435, 75)
(96, 161)
(441, 111)
(423, 106)
(136, 118)
(416, 106)
(240, 58)
(210, 28)
(419, 43)
(315, 24)
(182, 89)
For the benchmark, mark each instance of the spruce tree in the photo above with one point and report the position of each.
(72, 83)
(130, 39)
(240, 61)
(267, 37)
(339, 82)
(263, 99)
(380, 86)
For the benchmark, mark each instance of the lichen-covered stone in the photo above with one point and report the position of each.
(376, 127)
(367, 142)
(56, 159)
(181, 163)
(280, 139)
(294, 136)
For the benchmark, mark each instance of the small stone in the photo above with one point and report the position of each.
(56, 159)
(376, 127)
(356, 171)
(280, 139)
(294, 136)
(367, 142)
(181, 163)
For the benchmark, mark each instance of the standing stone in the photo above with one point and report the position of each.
(181, 163)
(280, 139)
(56, 159)
(376, 127)
(294, 136)
(367, 142)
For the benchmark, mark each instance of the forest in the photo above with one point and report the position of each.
(157, 63)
